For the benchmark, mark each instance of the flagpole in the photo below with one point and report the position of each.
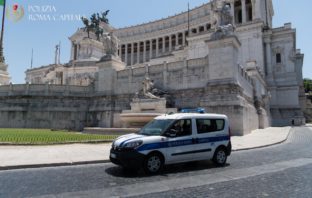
(2, 30)
(32, 58)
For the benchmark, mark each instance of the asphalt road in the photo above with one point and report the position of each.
(283, 170)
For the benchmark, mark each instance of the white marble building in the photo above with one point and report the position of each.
(259, 64)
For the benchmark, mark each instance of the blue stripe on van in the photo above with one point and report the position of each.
(186, 142)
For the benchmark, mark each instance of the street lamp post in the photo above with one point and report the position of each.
(2, 59)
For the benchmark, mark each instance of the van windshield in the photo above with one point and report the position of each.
(155, 127)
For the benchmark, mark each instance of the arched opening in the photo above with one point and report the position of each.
(194, 31)
(238, 11)
(201, 29)
(167, 42)
(248, 10)
(208, 26)
(173, 41)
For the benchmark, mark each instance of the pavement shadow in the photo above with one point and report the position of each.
(171, 170)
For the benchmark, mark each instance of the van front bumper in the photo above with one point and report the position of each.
(127, 158)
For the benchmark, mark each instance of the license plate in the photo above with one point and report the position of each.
(113, 155)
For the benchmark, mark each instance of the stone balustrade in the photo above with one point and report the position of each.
(45, 90)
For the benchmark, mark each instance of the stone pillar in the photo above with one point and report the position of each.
(164, 45)
(225, 69)
(132, 53)
(185, 77)
(244, 11)
(170, 43)
(126, 54)
(220, 68)
(151, 49)
(107, 73)
(177, 39)
(138, 52)
(269, 70)
(144, 52)
(157, 47)
(184, 38)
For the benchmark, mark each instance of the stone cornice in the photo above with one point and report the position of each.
(195, 11)
(165, 32)
(249, 26)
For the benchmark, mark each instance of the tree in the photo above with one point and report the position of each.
(307, 83)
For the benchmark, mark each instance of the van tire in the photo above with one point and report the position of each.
(220, 156)
(153, 163)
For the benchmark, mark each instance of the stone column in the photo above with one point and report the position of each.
(164, 45)
(138, 52)
(157, 47)
(269, 71)
(144, 52)
(132, 53)
(244, 11)
(177, 39)
(170, 43)
(151, 49)
(126, 54)
(184, 39)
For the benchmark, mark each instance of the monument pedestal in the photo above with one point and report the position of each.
(4, 75)
(108, 67)
(144, 110)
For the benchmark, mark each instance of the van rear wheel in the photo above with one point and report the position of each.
(153, 163)
(220, 157)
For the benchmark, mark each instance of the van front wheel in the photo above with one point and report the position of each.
(220, 157)
(153, 163)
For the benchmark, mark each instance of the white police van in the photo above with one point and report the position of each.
(176, 138)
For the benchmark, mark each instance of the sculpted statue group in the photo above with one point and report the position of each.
(221, 18)
(94, 23)
(110, 41)
(149, 91)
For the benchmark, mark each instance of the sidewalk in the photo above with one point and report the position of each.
(16, 157)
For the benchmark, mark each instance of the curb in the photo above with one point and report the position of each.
(56, 144)
(52, 165)
(107, 161)
(264, 146)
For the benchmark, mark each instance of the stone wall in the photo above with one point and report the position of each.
(44, 106)
(169, 76)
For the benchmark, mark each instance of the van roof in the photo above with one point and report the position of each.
(190, 115)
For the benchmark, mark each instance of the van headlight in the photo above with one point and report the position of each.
(133, 145)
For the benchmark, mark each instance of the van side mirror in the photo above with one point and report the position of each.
(171, 133)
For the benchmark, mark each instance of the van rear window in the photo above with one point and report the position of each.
(209, 125)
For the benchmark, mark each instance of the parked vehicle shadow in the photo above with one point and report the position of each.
(171, 170)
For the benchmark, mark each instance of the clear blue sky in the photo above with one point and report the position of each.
(20, 37)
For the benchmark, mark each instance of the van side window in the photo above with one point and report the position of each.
(183, 127)
(209, 125)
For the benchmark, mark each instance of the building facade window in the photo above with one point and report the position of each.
(278, 58)
(249, 10)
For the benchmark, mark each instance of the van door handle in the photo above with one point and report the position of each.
(195, 140)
